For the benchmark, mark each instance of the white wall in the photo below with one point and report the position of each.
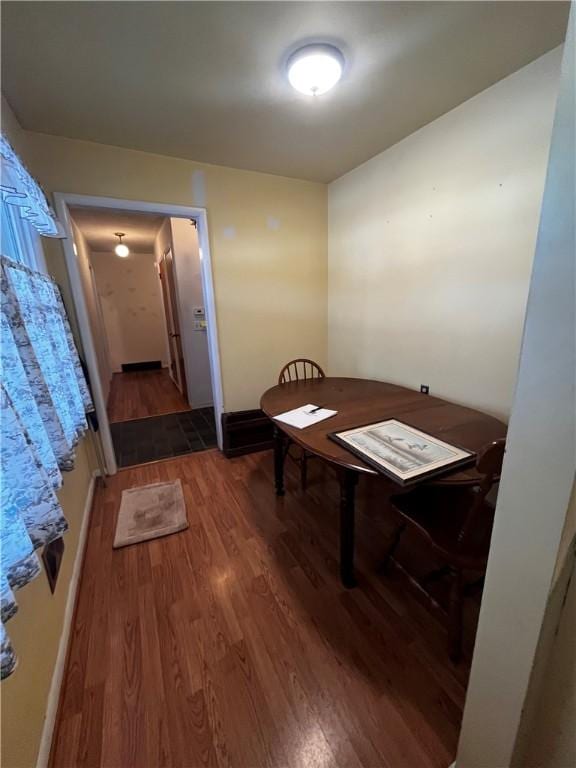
(431, 245)
(129, 292)
(533, 510)
(190, 295)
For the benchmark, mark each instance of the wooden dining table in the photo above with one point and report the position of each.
(359, 402)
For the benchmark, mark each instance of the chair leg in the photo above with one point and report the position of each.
(455, 616)
(393, 546)
(304, 471)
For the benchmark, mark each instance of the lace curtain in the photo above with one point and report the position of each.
(44, 399)
(18, 188)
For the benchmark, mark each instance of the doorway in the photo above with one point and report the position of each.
(147, 324)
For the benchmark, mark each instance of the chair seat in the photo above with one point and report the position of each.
(439, 514)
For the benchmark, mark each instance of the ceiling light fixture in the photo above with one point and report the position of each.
(121, 249)
(314, 69)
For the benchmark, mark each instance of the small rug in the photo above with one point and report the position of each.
(150, 511)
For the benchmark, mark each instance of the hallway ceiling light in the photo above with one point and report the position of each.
(121, 249)
(315, 69)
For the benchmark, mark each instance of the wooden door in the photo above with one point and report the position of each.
(168, 281)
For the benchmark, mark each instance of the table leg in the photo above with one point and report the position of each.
(348, 482)
(279, 456)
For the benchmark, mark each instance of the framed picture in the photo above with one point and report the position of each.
(402, 452)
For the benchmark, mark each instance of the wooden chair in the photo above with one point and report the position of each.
(300, 369)
(457, 523)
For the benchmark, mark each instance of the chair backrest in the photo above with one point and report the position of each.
(300, 369)
(489, 466)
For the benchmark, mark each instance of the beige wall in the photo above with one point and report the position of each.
(431, 244)
(94, 310)
(129, 291)
(267, 239)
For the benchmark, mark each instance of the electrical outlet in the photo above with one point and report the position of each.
(52, 558)
(424, 388)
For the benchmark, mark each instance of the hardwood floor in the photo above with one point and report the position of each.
(234, 644)
(139, 394)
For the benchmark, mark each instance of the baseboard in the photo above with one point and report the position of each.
(58, 674)
(144, 365)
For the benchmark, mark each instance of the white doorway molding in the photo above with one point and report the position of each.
(63, 201)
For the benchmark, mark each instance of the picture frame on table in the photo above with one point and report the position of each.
(403, 453)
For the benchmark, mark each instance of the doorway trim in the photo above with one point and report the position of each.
(63, 201)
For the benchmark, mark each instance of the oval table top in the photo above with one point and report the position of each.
(361, 401)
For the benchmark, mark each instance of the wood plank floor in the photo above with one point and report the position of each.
(139, 394)
(233, 644)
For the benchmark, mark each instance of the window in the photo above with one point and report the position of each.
(20, 241)
(43, 394)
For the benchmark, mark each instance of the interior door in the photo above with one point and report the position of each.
(167, 278)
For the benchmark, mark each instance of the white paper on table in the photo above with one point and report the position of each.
(301, 417)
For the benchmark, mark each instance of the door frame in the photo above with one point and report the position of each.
(173, 322)
(62, 201)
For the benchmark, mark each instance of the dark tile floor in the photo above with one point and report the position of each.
(163, 437)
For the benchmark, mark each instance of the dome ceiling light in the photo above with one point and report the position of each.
(121, 249)
(315, 69)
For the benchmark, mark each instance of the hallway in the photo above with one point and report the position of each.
(150, 420)
(139, 394)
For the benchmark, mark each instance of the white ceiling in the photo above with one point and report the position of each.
(206, 80)
(99, 224)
